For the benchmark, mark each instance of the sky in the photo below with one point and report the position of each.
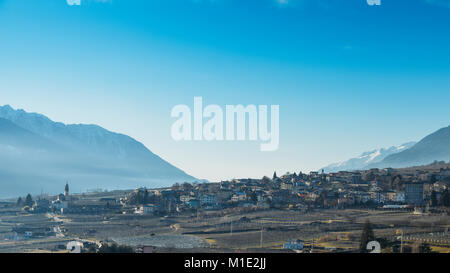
(348, 77)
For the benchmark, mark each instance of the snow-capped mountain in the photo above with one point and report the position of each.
(434, 147)
(367, 158)
(39, 154)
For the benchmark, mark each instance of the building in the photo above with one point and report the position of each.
(356, 178)
(224, 196)
(414, 193)
(145, 249)
(400, 196)
(66, 190)
(41, 206)
(194, 203)
(145, 209)
(391, 196)
(208, 199)
(287, 186)
(185, 198)
(239, 197)
(294, 245)
(59, 205)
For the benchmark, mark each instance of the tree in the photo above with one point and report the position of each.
(274, 175)
(19, 202)
(445, 199)
(28, 200)
(366, 236)
(434, 201)
(265, 180)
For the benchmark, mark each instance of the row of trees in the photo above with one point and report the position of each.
(28, 201)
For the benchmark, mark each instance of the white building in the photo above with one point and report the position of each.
(60, 204)
(294, 245)
(400, 196)
(185, 198)
(145, 209)
(208, 199)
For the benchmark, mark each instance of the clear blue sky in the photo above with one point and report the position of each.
(348, 77)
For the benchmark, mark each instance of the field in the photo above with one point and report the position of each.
(223, 231)
(45, 240)
(326, 229)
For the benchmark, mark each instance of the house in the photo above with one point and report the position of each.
(59, 205)
(239, 196)
(208, 199)
(287, 186)
(194, 203)
(312, 196)
(145, 249)
(282, 197)
(294, 245)
(224, 196)
(146, 209)
(391, 196)
(356, 178)
(380, 197)
(185, 198)
(400, 196)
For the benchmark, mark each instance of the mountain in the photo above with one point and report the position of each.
(435, 146)
(38, 154)
(12, 135)
(366, 159)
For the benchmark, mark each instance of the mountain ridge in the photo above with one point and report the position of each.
(433, 147)
(363, 161)
(84, 154)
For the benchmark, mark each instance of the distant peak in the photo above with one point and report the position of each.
(7, 106)
(367, 158)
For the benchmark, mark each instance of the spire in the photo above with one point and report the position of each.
(66, 189)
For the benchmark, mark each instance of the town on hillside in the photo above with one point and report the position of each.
(406, 210)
